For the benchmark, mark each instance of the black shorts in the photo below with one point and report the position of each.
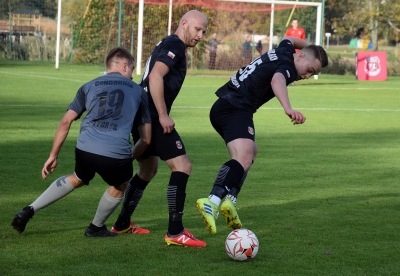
(114, 172)
(165, 146)
(231, 122)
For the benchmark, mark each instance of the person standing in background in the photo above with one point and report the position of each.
(259, 47)
(296, 31)
(246, 50)
(213, 43)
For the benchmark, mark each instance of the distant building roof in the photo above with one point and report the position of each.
(25, 11)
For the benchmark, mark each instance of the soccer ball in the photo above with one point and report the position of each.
(241, 245)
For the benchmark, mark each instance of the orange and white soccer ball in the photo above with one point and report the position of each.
(241, 245)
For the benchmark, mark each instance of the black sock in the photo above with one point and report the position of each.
(176, 195)
(229, 175)
(235, 190)
(133, 194)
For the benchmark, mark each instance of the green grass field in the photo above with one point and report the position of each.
(322, 198)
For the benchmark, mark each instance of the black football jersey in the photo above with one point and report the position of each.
(171, 52)
(251, 87)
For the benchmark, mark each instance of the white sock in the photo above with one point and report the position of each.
(214, 199)
(233, 198)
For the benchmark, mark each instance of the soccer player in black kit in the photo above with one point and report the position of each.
(231, 116)
(164, 74)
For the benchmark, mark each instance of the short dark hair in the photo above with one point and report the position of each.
(118, 53)
(317, 52)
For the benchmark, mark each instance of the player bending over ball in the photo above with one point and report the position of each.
(231, 116)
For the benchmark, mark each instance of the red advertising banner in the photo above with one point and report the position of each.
(371, 66)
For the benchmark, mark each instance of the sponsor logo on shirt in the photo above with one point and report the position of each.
(171, 55)
(234, 81)
(250, 130)
(272, 55)
(178, 144)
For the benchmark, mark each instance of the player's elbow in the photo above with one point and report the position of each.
(65, 122)
(155, 77)
(145, 134)
(278, 78)
(146, 140)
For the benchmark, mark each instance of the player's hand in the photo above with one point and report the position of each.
(295, 116)
(49, 166)
(167, 123)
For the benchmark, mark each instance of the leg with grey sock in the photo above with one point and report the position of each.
(57, 190)
(107, 206)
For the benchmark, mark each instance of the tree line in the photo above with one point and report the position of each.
(380, 19)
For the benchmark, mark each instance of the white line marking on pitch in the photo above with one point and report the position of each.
(305, 108)
(44, 77)
(208, 107)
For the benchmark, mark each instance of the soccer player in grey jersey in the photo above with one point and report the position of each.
(163, 78)
(231, 115)
(115, 106)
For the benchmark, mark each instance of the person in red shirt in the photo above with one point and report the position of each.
(296, 31)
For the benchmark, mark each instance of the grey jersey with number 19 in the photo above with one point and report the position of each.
(112, 103)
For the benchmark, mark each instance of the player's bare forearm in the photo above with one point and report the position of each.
(157, 93)
(298, 43)
(278, 84)
(59, 138)
(156, 83)
(62, 132)
(143, 142)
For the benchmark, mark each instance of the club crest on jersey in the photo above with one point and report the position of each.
(250, 130)
(178, 144)
(171, 55)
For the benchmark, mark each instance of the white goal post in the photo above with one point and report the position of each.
(318, 22)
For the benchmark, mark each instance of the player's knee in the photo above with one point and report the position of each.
(180, 164)
(148, 173)
(75, 181)
(186, 168)
(255, 151)
(246, 163)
